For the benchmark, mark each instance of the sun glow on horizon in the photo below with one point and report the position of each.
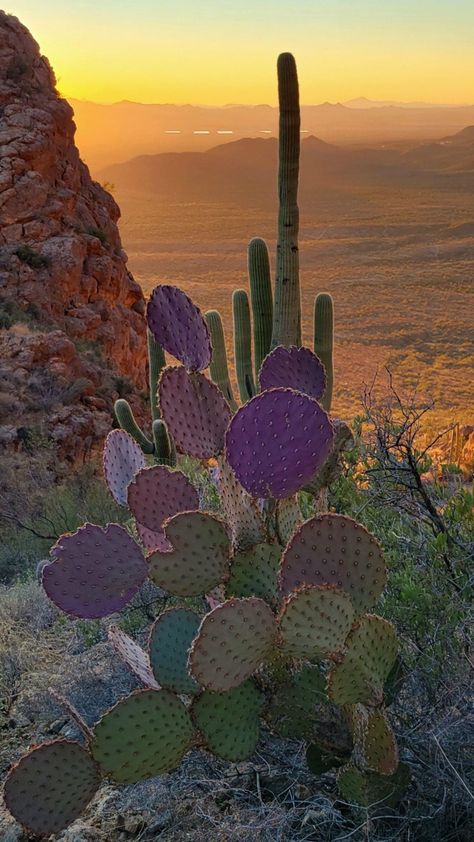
(216, 53)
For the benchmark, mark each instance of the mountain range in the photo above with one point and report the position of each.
(117, 132)
(245, 168)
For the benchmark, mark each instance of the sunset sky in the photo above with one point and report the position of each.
(221, 51)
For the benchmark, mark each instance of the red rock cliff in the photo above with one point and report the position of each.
(61, 259)
(49, 203)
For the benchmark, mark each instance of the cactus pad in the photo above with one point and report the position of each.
(94, 571)
(51, 786)
(315, 621)
(375, 746)
(336, 550)
(254, 573)
(170, 641)
(122, 459)
(179, 327)
(152, 540)
(293, 368)
(368, 788)
(277, 441)
(295, 707)
(233, 641)
(319, 761)
(240, 510)
(199, 559)
(157, 494)
(229, 722)
(133, 655)
(195, 411)
(143, 735)
(372, 648)
(288, 518)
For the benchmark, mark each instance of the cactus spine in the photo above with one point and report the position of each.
(261, 298)
(219, 369)
(287, 312)
(243, 344)
(324, 341)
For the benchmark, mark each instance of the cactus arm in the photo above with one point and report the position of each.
(156, 361)
(324, 342)
(126, 419)
(261, 297)
(287, 311)
(243, 345)
(165, 451)
(219, 369)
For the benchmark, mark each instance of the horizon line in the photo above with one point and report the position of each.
(377, 104)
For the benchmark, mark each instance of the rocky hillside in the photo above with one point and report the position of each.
(71, 314)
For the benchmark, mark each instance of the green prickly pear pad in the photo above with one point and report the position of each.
(170, 641)
(294, 707)
(239, 508)
(375, 746)
(372, 648)
(229, 722)
(51, 786)
(254, 573)
(320, 761)
(232, 643)
(288, 517)
(334, 549)
(315, 621)
(143, 735)
(199, 559)
(368, 788)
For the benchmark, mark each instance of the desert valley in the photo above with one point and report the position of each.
(387, 229)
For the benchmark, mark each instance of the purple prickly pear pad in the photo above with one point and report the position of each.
(152, 540)
(293, 368)
(94, 571)
(156, 494)
(277, 441)
(122, 459)
(179, 327)
(195, 411)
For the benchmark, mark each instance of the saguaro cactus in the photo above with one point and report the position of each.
(243, 344)
(160, 446)
(219, 369)
(324, 341)
(261, 298)
(287, 311)
(276, 319)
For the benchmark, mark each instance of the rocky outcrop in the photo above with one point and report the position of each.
(62, 267)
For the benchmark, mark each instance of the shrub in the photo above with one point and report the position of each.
(98, 234)
(33, 258)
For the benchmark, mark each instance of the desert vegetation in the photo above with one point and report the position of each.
(200, 658)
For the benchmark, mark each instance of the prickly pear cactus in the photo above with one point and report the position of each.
(269, 620)
(287, 640)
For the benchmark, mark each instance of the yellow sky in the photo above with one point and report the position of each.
(217, 51)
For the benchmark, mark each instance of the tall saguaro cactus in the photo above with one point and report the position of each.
(287, 311)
